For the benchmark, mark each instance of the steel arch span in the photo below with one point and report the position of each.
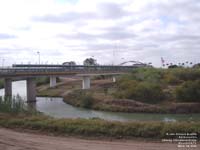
(132, 61)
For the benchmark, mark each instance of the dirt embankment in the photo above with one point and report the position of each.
(13, 140)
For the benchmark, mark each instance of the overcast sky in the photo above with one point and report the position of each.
(111, 31)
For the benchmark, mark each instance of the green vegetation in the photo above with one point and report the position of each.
(148, 90)
(80, 98)
(141, 91)
(42, 80)
(98, 128)
(153, 86)
(13, 114)
(13, 105)
(1, 83)
(189, 91)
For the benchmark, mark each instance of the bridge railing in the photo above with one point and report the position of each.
(62, 68)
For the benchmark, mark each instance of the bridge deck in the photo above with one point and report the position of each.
(45, 70)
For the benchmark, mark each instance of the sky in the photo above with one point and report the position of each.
(111, 31)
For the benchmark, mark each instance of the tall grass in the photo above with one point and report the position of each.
(1, 83)
(12, 105)
(99, 128)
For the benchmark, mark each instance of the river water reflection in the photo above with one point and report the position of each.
(55, 107)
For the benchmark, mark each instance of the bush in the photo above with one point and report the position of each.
(172, 80)
(188, 91)
(147, 92)
(1, 84)
(140, 91)
(153, 85)
(186, 74)
(86, 101)
(152, 75)
(42, 80)
(79, 98)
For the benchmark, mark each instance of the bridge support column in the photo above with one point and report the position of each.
(86, 82)
(31, 90)
(114, 79)
(8, 87)
(52, 81)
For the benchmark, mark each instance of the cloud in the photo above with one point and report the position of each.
(4, 36)
(65, 17)
(111, 11)
(142, 30)
(104, 11)
(109, 35)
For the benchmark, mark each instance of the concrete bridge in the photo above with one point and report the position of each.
(30, 72)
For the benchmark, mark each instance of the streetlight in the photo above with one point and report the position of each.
(3, 62)
(38, 56)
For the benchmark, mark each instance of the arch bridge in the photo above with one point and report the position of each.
(134, 63)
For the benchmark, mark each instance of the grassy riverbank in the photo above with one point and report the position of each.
(14, 114)
(98, 128)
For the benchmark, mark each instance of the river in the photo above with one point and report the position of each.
(55, 107)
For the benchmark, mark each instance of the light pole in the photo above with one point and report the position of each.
(38, 56)
(3, 62)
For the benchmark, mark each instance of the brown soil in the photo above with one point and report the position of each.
(14, 140)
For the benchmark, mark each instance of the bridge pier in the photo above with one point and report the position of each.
(86, 82)
(114, 79)
(52, 81)
(8, 87)
(31, 90)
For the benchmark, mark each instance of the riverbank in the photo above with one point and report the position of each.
(27, 120)
(101, 97)
(96, 127)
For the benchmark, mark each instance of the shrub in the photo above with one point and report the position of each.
(140, 91)
(42, 80)
(100, 77)
(1, 84)
(80, 98)
(86, 101)
(147, 92)
(148, 74)
(188, 91)
(171, 79)
(187, 74)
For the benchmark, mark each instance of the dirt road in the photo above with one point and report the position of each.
(15, 140)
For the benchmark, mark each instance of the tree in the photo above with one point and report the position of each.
(173, 66)
(90, 62)
(70, 63)
(196, 65)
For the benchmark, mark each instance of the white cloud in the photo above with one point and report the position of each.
(64, 30)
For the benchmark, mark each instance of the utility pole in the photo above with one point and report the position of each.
(3, 62)
(38, 56)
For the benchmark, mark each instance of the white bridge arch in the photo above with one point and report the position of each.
(134, 63)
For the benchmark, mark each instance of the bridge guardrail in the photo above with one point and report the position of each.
(34, 69)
